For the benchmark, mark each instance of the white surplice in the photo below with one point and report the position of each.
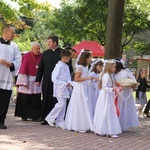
(94, 90)
(12, 54)
(78, 116)
(106, 121)
(24, 80)
(60, 77)
(128, 116)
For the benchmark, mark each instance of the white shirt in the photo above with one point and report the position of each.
(61, 77)
(9, 53)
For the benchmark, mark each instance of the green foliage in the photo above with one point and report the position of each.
(6, 11)
(86, 20)
(39, 32)
(143, 4)
(22, 18)
(9, 15)
(135, 22)
(142, 48)
(23, 45)
(24, 40)
(76, 20)
(81, 20)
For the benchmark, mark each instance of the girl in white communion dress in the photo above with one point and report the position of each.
(106, 121)
(78, 116)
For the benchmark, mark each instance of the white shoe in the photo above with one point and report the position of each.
(141, 117)
(51, 123)
(62, 127)
(81, 131)
(15, 100)
(114, 136)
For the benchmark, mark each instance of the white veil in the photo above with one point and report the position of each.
(76, 63)
(95, 62)
(108, 61)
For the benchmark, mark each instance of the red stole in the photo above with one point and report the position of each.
(116, 103)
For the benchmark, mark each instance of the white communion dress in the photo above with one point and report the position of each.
(79, 112)
(128, 115)
(106, 121)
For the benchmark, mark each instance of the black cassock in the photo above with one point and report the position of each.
(70, 66)
(46, 66)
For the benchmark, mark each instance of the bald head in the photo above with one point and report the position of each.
(8, 33)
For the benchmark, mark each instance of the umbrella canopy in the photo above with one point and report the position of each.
(97, 49)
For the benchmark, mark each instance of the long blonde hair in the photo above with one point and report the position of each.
(107, 69)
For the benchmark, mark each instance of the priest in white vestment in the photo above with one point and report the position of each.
(10, 59)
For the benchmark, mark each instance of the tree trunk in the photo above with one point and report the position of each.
(114, 29)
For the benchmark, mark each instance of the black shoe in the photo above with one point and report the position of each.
(24, 119)
(147, 114)
(2, 126)
(44, 123)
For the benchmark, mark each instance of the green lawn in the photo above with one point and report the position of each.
(14, 89)
(148, 95)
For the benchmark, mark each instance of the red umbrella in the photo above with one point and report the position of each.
(97, 49)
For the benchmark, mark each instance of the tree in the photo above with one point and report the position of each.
(140, 43)
(114, 29)
(23, 19)
(25, 8)
(135, 22)
(141, 47)
(81, 20)
(39, 32)
(86, 20)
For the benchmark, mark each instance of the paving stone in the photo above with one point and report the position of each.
(30, 135)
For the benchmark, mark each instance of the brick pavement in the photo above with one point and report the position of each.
(33, 136)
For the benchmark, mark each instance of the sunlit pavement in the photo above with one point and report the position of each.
(33, 136)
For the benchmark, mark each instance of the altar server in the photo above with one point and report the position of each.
(62, 81)
(10, 59)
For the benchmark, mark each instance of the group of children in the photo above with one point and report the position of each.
(96, 103)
